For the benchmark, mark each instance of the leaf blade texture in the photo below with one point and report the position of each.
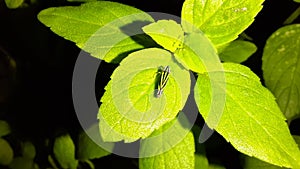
(251, 120)
(130, 108)
(220, 20)
(101, 28)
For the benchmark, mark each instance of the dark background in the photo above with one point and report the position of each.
(41, 106)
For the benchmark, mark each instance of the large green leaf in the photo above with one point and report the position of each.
(221, 20)
(64, 151)
(281, 68)
(4, 128)
(180, 155)
(100, 28)
(251, 120)
(6, 153)
(130, 108)
(166, 33)
(238, 51)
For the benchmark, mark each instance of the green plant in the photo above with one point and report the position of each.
(250, 119)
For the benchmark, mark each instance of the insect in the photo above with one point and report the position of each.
(163, 81)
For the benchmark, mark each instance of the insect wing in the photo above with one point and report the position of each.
(163, 80)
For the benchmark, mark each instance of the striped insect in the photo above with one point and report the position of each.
(163, 81)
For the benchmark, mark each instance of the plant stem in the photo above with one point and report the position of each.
(292, 17)
(90, 164)
(52, 163)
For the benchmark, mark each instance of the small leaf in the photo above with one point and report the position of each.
(298, 1)
(130, 107)
(243, 122)
(281, 68)
(28, 150)
(238, 51)
(166, 33)
(181, 155)
(88, 147)
(4, 128)
(101, 28)
(220, 20)
(12, 4)
(6, 153)
(64, 151)
(196, 52)
(23, 163)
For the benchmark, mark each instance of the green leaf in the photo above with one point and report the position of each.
(166, 33)
(298, 1)
(130, 108)
(88, 147)
(4, 128)
(281, 67)
(64, 151)
(12, 4)
(254, 163)
(243, 121)
(180, 155)
(23, 163)
(101, 28)
(196, 52)
(238, 51)
(28, 150)
(6, 153)
(220, 20)
(201, 161)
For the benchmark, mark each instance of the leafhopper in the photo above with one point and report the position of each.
(163, 81)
